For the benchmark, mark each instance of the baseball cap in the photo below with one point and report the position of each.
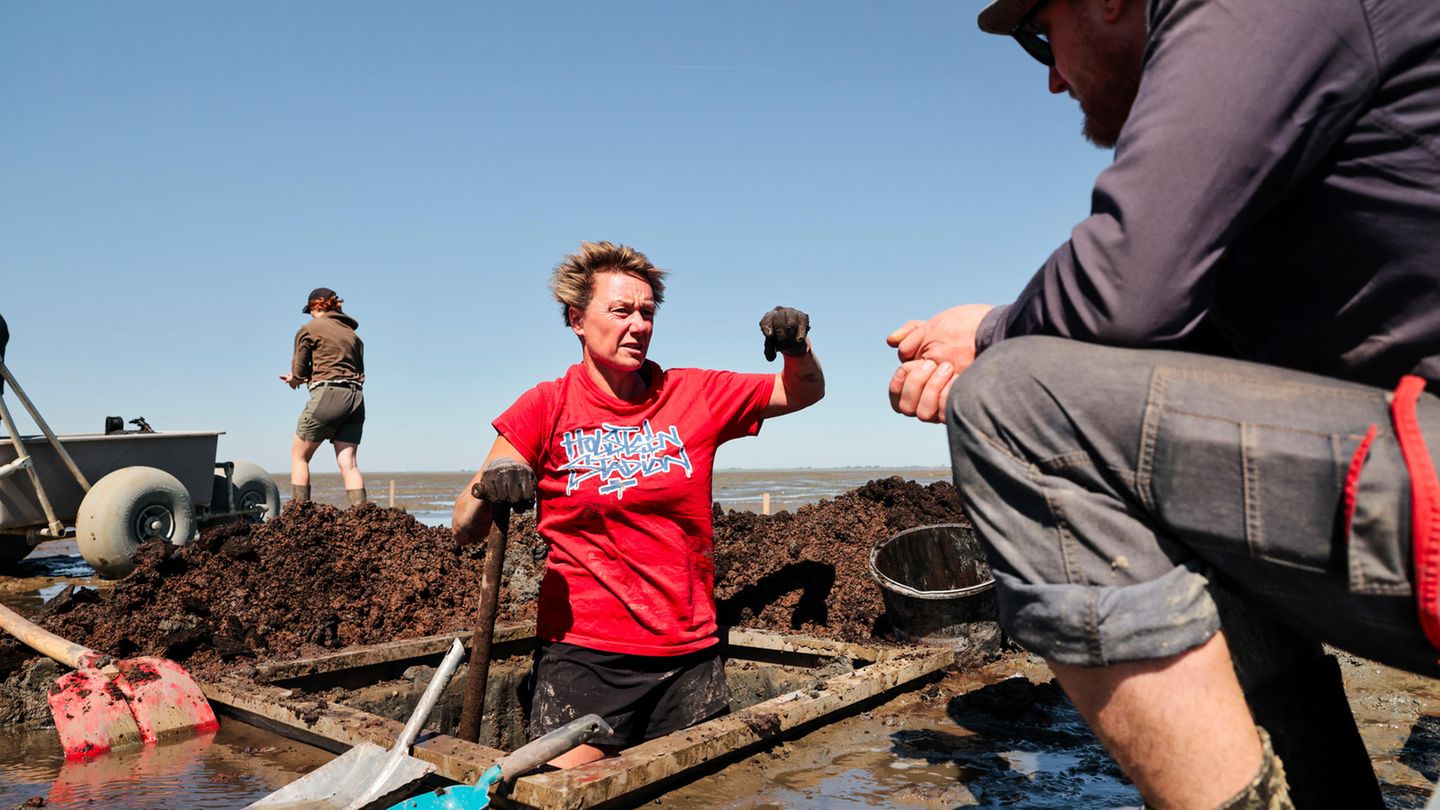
(318, 292)
(1001, 16)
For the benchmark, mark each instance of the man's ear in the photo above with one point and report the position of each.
(573, 313)
(1113, 10)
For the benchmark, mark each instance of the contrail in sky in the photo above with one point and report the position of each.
(726, 68)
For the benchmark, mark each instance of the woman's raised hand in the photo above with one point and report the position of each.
(785, 331)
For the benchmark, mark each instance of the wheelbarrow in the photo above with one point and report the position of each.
(117, 489)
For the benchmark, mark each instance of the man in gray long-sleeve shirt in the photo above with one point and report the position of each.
(1260, 269)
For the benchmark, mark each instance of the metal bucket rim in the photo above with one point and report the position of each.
(887, 583)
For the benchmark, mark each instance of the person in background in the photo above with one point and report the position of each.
(623, 451)
(1225, 376)
(329, 360)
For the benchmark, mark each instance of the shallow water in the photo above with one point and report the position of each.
(229, 768)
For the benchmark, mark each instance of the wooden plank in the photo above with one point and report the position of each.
(384, 653)
(332, 721)
(337, 728)
(387, 652)
(740, 637)
(656, 760)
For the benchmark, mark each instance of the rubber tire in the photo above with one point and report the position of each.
(106, 527)
(255, 485)
(13, 548)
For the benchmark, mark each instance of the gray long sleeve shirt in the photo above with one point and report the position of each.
(1275, 195)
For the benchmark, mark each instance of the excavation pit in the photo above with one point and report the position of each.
(781, 687)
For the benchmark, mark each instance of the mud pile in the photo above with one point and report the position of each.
(809, 571)
(317, 578)
(314, 579)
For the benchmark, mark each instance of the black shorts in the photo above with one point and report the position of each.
(641, 696)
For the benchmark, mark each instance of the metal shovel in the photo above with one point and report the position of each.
(510, 767)
(367, 773)
(107, 703)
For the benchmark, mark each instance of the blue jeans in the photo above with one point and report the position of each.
(1111, 487)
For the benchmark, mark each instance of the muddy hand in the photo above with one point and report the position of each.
(785, 331)
(506, 482)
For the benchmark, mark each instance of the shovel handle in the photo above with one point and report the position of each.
(542, 749)
(47, 643)
(400, 752)
(477, 674)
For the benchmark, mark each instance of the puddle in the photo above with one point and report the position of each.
(230, 768)
(25, 585)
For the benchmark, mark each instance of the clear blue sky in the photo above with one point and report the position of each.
(175, 177)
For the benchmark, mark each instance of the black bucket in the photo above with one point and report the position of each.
(938, 589)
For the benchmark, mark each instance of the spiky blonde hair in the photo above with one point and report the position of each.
(573, 280)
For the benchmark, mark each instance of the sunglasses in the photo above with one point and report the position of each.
(1031, 40)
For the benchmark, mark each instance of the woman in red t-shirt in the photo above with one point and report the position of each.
(618, 453)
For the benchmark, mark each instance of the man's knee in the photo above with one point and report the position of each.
(1013, 382)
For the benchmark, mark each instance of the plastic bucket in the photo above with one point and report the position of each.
(938, 588)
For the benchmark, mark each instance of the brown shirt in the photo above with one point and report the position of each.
(327, 348)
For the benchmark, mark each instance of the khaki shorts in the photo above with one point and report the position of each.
(334, 412)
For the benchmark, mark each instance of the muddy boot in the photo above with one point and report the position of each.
(300, 493)
(355, 497)
(1268, 790)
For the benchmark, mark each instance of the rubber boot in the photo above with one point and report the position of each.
(1268, 790)
(300, 493)
(355, 497)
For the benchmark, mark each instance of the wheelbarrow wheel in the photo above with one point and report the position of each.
(126, 508)
(252, 487)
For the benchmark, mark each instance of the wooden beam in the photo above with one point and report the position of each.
(741, 637)
(384, 653)
(435, 645)
(337, 728)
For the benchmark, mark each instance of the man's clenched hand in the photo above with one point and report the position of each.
(932, 354)
(507, 482)
(785, 331)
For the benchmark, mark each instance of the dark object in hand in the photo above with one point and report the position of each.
(785, 330)
(506, 482)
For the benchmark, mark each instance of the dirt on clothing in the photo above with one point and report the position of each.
(317, 579)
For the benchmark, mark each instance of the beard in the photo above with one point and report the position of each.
(1109, 88)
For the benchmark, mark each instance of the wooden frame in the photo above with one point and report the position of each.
(878, 670)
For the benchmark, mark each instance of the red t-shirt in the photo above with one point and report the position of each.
(625, 503)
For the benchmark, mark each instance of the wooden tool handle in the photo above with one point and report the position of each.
(45, 642)
(477, 674)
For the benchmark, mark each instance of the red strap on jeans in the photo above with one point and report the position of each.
(1424, 504)
(1352, 476)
